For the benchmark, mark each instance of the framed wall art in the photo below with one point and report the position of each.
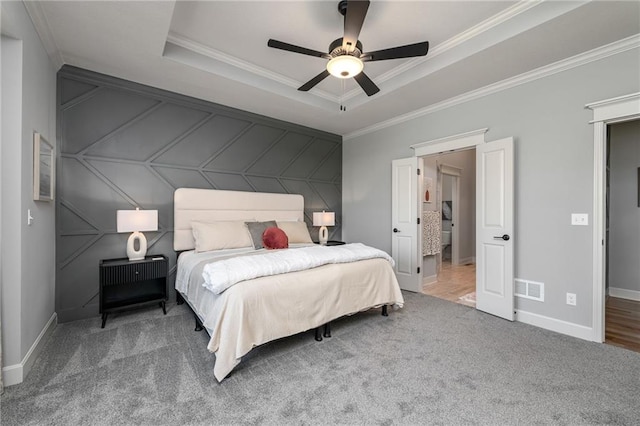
(43, 173)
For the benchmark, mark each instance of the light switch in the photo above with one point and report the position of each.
(580, 219)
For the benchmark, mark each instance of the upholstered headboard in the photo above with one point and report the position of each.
(211, 205)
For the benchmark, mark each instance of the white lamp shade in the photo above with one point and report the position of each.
(137, 220)
(345, 66)
(324, 219)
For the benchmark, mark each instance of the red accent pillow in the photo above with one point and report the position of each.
(274, 238)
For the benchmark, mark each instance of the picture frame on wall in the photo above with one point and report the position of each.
(43, 169)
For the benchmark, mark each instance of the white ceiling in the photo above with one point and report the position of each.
(217, 50)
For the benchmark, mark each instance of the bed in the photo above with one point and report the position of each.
(257, 310)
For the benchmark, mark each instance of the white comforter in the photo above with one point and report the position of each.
(221, 275)
(263, 309)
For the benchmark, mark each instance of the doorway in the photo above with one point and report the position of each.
(450, 270)
(494, 204)
(605, 113)
(622, 235)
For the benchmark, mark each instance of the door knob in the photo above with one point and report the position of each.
(396, 230)
(505, 237)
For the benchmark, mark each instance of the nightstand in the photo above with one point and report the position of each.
(334, 243)
(125, 284)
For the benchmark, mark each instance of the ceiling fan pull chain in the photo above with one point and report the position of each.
(342, 107)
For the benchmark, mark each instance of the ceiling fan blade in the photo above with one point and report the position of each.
(315, 80)
(367, 85)
(353, 20)
(408, 51)
(296, 49)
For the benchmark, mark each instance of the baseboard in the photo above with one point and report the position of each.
(623, 293)
(14, 374)
(559, 326)
(466, 260)
(429, 280)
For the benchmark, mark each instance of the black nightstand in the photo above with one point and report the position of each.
(334, 243)
(126, 284)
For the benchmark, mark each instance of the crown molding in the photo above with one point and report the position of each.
(581, 59)
(505, 24)
(195, 55)
(39, 20)
(488, 24)
(509, 23)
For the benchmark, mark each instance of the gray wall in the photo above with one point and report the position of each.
(553, 173)
(624, 213)
(125, 145)
(28, 252)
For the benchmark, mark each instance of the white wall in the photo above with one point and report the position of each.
(553, 173)
(624, 213)
(28, 252)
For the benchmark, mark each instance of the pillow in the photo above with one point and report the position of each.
(297, 232)
(256, 229)
(275, 238)
(220, 235)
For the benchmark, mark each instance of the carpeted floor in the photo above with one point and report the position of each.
(433, 362)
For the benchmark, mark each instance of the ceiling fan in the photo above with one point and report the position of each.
(346, 58)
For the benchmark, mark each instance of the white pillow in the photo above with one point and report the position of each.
(297, 232)
(220, 235)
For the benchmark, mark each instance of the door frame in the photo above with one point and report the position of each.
(605, 112)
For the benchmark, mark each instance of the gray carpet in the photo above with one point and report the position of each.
(433, 362)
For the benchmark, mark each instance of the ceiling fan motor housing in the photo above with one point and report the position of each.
(335, 49)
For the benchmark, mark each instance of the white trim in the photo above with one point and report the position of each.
(470, 259)
(612, 110)
(429, 280)
(448, 143)
(14, 374)
(559, 326)
(620, 46)
(39, 20)
(624, 293)
(447, 169)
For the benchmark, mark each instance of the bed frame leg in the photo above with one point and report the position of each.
(198, 324)
(327, 330)
(318, 335)
(384, 311)
(179, 299)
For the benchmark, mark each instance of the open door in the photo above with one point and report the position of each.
(494, 228)
(405, 211)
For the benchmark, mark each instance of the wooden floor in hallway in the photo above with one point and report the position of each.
(455, 283)
(622, 323)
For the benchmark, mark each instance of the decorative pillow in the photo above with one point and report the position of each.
(256, 229)
(297, 232)
(275, 238)
(220, 235)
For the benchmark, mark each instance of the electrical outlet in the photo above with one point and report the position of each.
(571, 299)
(581, 219)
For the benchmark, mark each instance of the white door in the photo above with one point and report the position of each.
(405, 238)
(494, 228)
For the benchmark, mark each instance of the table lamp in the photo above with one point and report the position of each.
(137, 221)
(324, 219)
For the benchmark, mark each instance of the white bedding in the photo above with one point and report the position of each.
(220, 275)
(259, 310)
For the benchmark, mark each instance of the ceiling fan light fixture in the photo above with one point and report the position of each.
(345, 66)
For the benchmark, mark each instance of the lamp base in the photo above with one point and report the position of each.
(132, 253)
(323, 236)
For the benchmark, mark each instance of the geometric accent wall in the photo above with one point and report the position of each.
(123, 145)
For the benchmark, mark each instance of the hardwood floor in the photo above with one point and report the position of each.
(454, 282)
(622, 323)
